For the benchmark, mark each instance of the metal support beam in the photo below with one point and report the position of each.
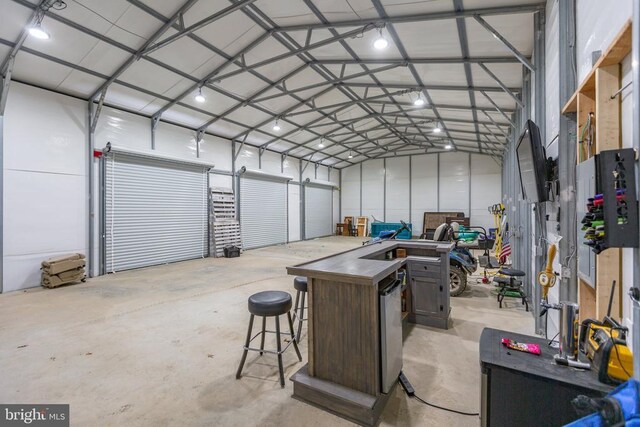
(198, 25)
(420, 61)
(96, 114)
(403, 19)
(505, 42)
(294, 52)
(135, 57)
(326, 82)
(567, 152)
(426, 87)
(501, 84)
(498, 109)
(6, 82)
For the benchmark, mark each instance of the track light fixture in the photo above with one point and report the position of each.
(199, 96)
(276, 126)
(380, 43)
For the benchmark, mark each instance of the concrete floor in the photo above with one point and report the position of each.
(160, 346)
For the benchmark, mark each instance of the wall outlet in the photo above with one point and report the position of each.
(565, 273)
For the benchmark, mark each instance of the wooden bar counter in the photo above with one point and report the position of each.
(343, 374)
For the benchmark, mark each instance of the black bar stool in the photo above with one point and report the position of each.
(269, 304)
(300, 284)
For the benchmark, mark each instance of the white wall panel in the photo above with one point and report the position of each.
(291, 167)
(217, 151)
(454, 182)
(334, 176)
(249, 158)
(486, 189)
(373, 189)
(597, 24)
(308, 170)
(176, 141)
(294, 212)
(424, 189)
(123, 129)
(336, 206)
(271, 162)
(218, 180)
(45, 186)
(350, 191)
(397, 189)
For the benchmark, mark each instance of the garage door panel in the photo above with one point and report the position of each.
(155, 212)
(318, 201)
(263, 211)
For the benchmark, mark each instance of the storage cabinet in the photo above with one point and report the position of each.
(429, 286)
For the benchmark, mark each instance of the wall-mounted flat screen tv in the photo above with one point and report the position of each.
(532, 164)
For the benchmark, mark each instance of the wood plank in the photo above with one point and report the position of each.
(607, 270)
(586, 300)
(615, 53)
(310, 325)
(608, 135)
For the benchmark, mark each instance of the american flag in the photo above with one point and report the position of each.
(506, 246)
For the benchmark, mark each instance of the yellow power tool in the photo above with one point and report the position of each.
(605, 344)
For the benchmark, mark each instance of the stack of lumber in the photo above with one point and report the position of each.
(63, 270)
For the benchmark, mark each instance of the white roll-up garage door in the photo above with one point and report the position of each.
(318, 210)
(155, 211)
(263, 209)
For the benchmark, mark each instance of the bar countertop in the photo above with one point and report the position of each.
(358, 266)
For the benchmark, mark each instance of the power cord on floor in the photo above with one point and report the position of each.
(409, 390)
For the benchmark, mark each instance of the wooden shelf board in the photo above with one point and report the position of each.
(619, 48)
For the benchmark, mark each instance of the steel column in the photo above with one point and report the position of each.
(567, 153)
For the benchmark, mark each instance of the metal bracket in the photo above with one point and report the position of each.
(6, 81)
(505, 42)
(96, 115)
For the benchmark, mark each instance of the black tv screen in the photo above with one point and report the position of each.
(532, 164)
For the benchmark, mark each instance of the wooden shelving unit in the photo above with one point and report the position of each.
(594, 96)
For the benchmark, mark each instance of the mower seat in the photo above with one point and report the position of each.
(441, 232)
(502, 280)
(512, 272)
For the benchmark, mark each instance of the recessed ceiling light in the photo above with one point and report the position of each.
(38, 32)
(200, 97)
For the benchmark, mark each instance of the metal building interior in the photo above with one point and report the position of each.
(169, 167)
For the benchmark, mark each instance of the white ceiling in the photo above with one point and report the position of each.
(368, 115)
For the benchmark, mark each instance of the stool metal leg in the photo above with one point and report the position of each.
(304, 294)
(295, 306)
(264, 325)
(279, 351)
(244, 353)
(293, 339)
